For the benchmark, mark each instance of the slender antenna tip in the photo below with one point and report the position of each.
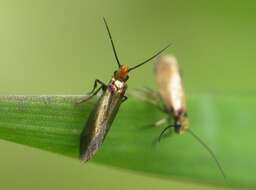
(104, 20)
(210, 151)
(169, 45)
(152, 57)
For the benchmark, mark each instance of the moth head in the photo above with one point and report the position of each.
(122, 73)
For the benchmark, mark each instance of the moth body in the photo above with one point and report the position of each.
(101, 118)
(169, 80)
(107, 106)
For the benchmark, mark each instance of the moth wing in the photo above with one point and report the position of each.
(148, 95)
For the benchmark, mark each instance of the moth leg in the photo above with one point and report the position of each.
(89, 97)
(124, 98)
(93, 92)
(156, 124)
(162, 134)
(160, 122)
(96, 82)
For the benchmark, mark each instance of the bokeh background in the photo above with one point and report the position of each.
(60, 47)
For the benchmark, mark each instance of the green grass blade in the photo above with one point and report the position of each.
(54, 123)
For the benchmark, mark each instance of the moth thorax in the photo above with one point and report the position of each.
(116, 85)
(119, 84)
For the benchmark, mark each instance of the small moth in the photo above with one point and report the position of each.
(169, 80)
(168, 77)
(106, 108)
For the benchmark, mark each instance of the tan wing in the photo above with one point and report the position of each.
(170, 85)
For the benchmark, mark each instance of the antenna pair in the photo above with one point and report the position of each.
(116, 56)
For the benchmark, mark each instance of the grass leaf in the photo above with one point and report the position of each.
(54, 123)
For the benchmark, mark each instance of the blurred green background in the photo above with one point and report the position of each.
(60, 47)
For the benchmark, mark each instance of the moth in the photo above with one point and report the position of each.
(171, 99)
(107, 106)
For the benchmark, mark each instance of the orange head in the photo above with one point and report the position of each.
(122, 72)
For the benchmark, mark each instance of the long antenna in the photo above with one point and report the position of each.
(112, 43)
(163, 131)
(209, 150)
(147, 60)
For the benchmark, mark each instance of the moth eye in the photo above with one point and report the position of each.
(126, 78)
